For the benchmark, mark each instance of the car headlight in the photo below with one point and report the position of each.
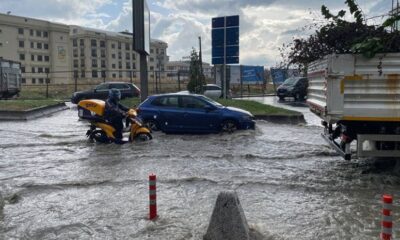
(247, 117)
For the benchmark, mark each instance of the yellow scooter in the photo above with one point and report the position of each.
(102, 131)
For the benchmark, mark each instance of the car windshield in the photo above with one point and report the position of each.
(212, 102)
(290, 81)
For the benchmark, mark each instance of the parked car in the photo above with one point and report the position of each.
(295, 87)
(192, 113)
(101, 91)
(212, 91)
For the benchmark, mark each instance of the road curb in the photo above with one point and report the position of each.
(32, 113)
(284, 119)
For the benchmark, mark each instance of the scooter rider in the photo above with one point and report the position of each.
(115, 113)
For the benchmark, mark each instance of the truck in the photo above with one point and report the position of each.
(358, 100)
(10, 78)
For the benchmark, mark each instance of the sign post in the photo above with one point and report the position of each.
(141, 40)
(225, 44)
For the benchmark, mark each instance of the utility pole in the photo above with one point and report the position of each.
(200, 57)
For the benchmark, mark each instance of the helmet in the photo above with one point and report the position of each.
(114, 94)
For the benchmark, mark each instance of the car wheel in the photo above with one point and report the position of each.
(228, 126)
(152, 125)
(281, 98)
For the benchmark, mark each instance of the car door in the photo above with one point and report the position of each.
(101, 91)
(170, 115)
(196, 116)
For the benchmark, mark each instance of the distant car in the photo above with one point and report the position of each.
(101, 91)
(295, 87)
(192, 113)
(212, 91)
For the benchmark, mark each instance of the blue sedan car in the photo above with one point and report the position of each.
(190, 113)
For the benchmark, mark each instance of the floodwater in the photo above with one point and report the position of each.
(57, 185)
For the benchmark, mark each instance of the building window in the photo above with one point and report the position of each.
(81, 42)
(45, 34)
(32, 57)
(39, 45)
(151, 50)
(82, 73)
(113, 66)
(76, 63)
(22, 57)
(133, 66)
(40, 58)
(32, 45)
(94, 62)
(128, 65)
(120, 65)
(75, 52)
(31, 32)
(21, 44)
(133, 56)
(38, 33)
(33, 80)
(40, 70)
(23, 80)
(21, 31)
(102, 44)
(103, 63)
(22, 69)
(103, 53)
(157, 51)
(151, 68)
(119, 45)
(46, 70)
(113, 56)
(119, 55)
(82, 62)
(40, 80)
(82, 52)
(94, 74)
(151, 59)
(74, 42)
(127, 56)
(46, 58)
(94, 52)
(113, 46)
(46, 46)
(93, 43)
(33, 69)
(127, 46)
(120, 74)
(114, 75)
(103, 74)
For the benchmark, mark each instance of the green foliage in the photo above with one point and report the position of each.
(197, 79)
(338, 35)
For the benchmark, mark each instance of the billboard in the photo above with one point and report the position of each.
(225, 40)
(280, 74)
(252, 74)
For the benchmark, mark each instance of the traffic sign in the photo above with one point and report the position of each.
(225, 40)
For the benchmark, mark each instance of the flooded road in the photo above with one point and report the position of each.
(291, 185)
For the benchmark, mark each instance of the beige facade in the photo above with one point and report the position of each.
(70, 53)
(41, 47)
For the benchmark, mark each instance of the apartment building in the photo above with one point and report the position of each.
(65, 54)
(42, 48)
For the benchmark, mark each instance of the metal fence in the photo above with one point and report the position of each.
(63, 84)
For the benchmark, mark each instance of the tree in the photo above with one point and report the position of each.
(197, 79)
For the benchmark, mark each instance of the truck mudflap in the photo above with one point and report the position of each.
(378, 145)
(346, 153)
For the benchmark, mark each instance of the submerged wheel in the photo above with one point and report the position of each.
(143, 137)
(228, 126)
(99, 136)
(152, 125)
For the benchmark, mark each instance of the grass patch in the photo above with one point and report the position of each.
(256, 108)
(130, 102)
(21, 105)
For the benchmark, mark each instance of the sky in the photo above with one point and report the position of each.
(264, 24)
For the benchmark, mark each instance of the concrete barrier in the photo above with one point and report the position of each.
(228, 221)
(32, 113)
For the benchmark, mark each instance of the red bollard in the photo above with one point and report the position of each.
(387, 224)
(152, 197)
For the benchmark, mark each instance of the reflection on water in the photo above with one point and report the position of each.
(57, 185)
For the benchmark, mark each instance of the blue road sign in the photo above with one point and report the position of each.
(225, 32)
(252, 74)
(278, 75)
